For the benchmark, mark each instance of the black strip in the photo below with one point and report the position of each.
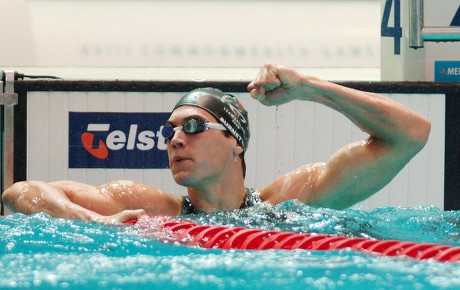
(1, 155)
(20, 138)
(236, 87)
(452, 153)
(2, 130)
(126, 86)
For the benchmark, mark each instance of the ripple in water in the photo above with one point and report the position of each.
(39, 252)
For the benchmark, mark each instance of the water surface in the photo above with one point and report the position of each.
(40, 252)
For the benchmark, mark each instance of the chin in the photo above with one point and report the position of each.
(181, 179)
(186, 181)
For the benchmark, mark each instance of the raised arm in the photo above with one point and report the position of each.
(358, 170)
(113, 202)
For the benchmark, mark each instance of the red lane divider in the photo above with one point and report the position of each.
(223, 237)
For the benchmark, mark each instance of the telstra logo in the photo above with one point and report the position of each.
(117, 140)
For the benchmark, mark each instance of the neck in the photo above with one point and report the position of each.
(221, 197)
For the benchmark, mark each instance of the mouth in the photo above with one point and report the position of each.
(178, 160)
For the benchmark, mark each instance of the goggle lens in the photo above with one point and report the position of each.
(191, 126)
(194, 126)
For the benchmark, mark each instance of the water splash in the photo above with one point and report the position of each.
(45, 253)
(420, 224)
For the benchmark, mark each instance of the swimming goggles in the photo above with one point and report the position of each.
(191, 126)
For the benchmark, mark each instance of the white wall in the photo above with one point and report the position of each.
(217, 33)
(282, 139)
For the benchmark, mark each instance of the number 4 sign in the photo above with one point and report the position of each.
(395, 31)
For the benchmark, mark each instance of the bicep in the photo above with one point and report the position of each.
(356, 172)
(351, 175)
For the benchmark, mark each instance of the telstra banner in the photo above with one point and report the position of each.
(117, 140)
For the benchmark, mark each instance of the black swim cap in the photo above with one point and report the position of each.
(224, 107)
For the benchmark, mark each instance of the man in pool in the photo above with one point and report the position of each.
(208, 134)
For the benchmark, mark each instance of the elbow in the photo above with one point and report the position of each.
(11, 194)
(12, 197)
(421, 134)
(414, 140)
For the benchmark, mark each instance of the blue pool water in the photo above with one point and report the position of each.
(40, 252)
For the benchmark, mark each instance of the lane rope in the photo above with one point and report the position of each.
(223, 237)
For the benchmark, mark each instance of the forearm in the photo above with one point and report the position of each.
(381, 117)
(32, 197)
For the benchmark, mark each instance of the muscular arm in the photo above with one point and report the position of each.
(358, 170)
(113, 202)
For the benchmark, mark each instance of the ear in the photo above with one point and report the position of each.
(238, 149)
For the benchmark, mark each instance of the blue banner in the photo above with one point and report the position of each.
(447, 71)
(117, 140)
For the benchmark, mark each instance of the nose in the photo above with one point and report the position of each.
(177, 140)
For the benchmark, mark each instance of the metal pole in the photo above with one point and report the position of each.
(415, 23)
(8, 99)
(441, 33)
(418, 34)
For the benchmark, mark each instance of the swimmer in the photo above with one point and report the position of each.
(207, 137)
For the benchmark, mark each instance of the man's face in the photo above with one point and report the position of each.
(199, 159)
